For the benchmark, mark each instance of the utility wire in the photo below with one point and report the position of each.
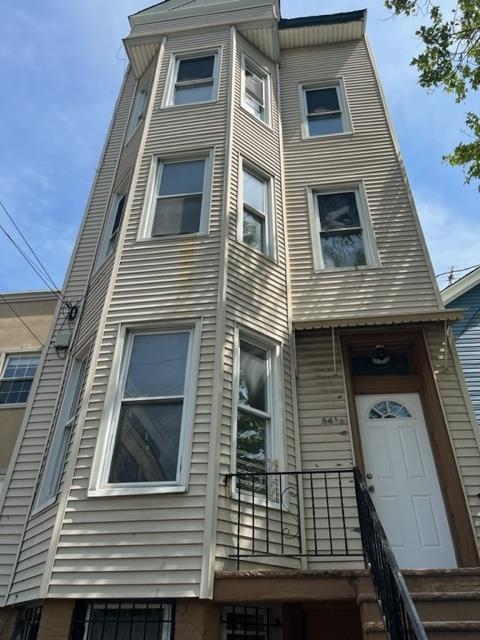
(34, 267)
(22, 320)
(447, 273)
(28, 245)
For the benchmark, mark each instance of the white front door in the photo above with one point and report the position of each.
(402, 480)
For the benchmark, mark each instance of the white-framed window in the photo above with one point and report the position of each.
(324, 109)
(120, 620)
(251, 622)
(341, 227)
(140, 103)
(67, 414)
(180, 196)
(152, 411)
(257, 412)
(255, 90)
(256, 214)
(17, 377)
(113, 222)
(193, 78)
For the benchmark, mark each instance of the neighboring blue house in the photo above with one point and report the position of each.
(465, 294)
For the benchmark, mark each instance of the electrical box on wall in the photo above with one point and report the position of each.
(63, 339)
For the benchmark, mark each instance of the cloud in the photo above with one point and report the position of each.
(452, 240)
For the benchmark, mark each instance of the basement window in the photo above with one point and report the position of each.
(120, 620)
(250, 622)
(27, 623)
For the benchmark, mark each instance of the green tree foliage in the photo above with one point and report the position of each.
(450, 60)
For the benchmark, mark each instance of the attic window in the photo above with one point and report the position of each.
(325, 110)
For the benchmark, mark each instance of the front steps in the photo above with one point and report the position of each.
(447, 601)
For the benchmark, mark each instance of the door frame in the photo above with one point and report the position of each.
(421, 381)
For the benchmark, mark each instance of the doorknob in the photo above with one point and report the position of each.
(369, 476)
(371, 488)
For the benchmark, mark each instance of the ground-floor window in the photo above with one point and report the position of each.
(120, 620)
(27, 623)
(247, 622)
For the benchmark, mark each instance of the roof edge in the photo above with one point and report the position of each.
(332, 18)
(461, 286)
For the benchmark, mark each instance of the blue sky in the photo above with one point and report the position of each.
(61, 66)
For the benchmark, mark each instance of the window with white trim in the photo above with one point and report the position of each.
(325, 110)
(113, 223)
(343, 236)
(139, 108)
(17, 377)
(257, 410)
(146, 445)
(67, 414)
(256, 227)
(256, 91)
(181, 197)
(194, 78)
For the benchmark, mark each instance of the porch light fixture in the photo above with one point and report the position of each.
(380, 355)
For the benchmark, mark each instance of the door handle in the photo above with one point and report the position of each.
(369, 476)
(371, 488)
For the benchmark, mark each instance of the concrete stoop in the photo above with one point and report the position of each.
(447, 601)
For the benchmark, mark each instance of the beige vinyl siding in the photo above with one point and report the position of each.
(39, 528)
(403, 280)
(321, 397)
(152, 541)
(200, 19)
(256, 284)
(461, 422)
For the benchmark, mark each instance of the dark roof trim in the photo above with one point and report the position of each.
(332, 18)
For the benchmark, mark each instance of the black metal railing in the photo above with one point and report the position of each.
(396, 605)
(294, 514)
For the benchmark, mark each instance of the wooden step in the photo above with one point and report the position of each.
(442, 580)
(431, 606)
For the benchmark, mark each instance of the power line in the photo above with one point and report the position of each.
(28, 245)
(22, 320)
(447, 273)
(34, 267)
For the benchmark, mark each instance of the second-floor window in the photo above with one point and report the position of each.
(194, 79)
(325, 110)
(343, 236)
(256, 227)
(17, 377)
(62, 434)
(256, 94)
(180, 199)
